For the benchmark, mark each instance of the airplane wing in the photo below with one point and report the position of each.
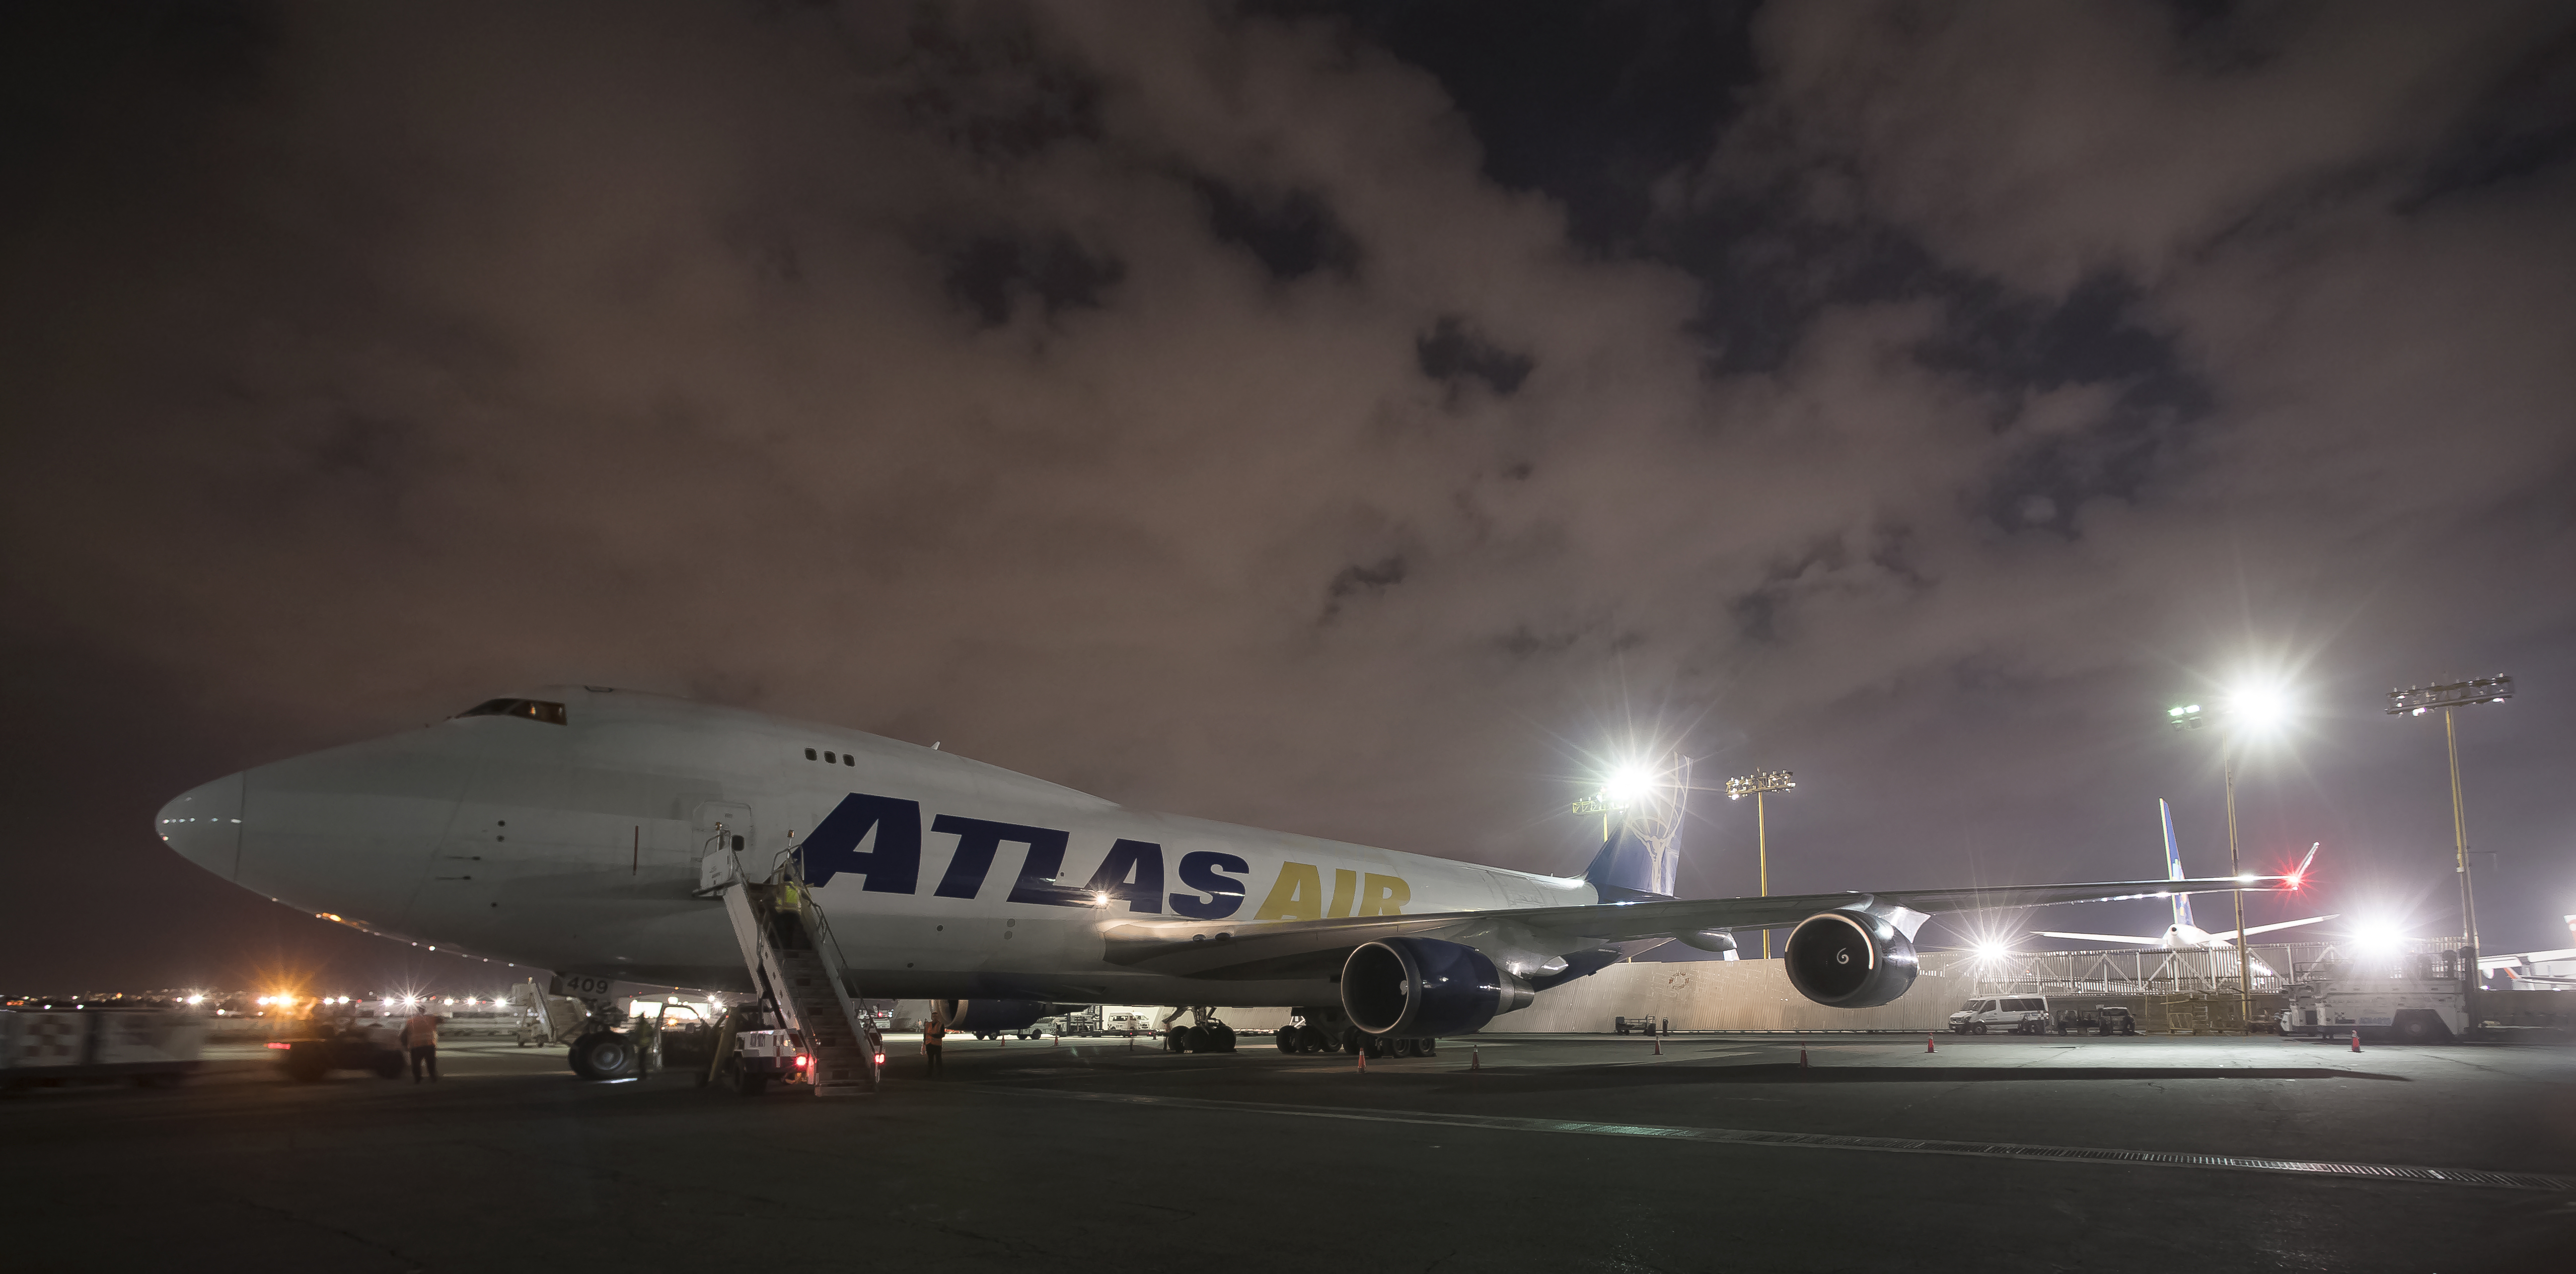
(1230, 950)
(2230, 935)
(2124, 939)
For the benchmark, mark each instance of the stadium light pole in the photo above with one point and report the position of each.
(2415, 701)
(2244, 710)
(1754, 785)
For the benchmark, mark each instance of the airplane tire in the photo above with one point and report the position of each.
(1288, 1041)
(1426, 1048)
(1175, 1040)
(1374, 1045)
(604, 1055)
(1220, 1037)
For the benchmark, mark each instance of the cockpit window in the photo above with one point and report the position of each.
(533, 709)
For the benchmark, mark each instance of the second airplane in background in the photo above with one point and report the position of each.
(2183, 935)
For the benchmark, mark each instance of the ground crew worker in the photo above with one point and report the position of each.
(931, 1033)
(420, 1035)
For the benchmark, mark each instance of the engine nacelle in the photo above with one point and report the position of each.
(1849, 958)
(995, 1015)
(1414, 988)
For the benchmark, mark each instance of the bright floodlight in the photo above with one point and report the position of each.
(2376, 935)
(1626, 783)
(1991, 949)
(2260, 707)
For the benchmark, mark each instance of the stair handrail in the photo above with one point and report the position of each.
(791, 871)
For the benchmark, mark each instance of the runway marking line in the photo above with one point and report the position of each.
(2393, 1172)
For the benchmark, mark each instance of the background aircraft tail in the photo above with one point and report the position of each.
(1628, 869)
(2173, 864)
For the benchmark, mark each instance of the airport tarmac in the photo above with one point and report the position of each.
(1559, 1153)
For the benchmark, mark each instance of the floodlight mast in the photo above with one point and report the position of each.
(1754, 785)
(2415, 701)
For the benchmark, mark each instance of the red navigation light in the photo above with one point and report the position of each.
(880, 1059)
(800, 1059)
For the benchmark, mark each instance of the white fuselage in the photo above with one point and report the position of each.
(576, 847)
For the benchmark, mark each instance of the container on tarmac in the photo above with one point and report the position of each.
(2417, 998)
(148, 1046)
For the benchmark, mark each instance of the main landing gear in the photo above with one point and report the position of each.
(1325, 1030)
(1205, 1034)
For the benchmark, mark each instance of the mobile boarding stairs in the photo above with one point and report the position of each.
(803, 1007)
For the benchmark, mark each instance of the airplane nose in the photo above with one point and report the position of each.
(204, 825)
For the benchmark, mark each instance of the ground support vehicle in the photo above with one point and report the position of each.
(152, 1047)
(2100, 1019)
(2413, 999)
(1639, 1025)
(376, 1050)
(2003, 1014)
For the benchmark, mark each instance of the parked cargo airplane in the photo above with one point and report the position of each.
(565, 830)
(2183, 935)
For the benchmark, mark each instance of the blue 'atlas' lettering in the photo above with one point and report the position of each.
(1133, 872)
(977, 841)
(1200, 870)
(892, 867)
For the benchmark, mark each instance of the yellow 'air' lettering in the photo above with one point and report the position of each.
(1384, 895)
(1298, 894)
(1345, 882)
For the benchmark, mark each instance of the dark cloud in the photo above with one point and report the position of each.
(1454, 353)
(1356, 423)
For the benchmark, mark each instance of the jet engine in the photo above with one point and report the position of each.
(972, 1016)
(1414, 988)
(1849, 958)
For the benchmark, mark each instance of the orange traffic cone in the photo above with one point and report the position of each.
(1802, 1057)
(1360, 1051)
(1475, 1058)
(2356, 1041)
(1659, 1046)
(1927, 1043)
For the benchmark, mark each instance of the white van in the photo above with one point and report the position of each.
(2016, 1014)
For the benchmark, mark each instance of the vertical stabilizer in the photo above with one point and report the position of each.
(2173, 865)
(1631, 869)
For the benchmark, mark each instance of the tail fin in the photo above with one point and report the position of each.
(2173, 865)
(1628, 869)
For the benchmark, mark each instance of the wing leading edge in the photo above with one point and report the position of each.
(1288, 948)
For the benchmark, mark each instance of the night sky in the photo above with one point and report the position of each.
(1357, 420)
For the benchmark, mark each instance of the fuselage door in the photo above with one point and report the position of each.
(733, 820)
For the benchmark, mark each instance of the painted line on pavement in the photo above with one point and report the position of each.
(2392, 1172)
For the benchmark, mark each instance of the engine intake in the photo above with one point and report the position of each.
(1850, 959)
(995, 1015)
(1413, 988)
